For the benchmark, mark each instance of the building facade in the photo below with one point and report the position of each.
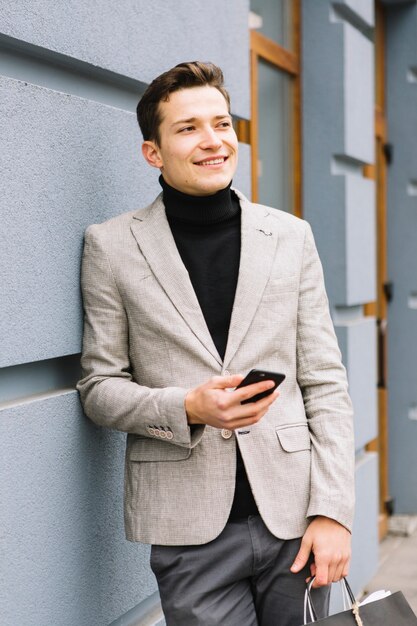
(324, 97)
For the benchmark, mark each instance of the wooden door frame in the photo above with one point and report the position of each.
(288, 61)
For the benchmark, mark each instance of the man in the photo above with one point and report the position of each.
(241, 502)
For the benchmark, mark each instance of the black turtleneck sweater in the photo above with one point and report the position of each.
(206, 230)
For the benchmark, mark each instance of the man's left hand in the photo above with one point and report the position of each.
(330, 543)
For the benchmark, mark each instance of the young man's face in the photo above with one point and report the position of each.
(198, 145)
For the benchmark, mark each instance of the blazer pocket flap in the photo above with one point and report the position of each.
(148, 450)
(294, 437)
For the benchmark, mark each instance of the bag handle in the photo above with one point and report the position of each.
(349, 602)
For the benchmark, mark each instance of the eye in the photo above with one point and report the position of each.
(186, 129)
(225, 124)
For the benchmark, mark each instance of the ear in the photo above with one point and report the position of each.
(151, 154)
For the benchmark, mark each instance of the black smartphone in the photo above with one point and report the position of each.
(257, 376)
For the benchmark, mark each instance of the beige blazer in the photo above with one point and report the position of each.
(146, 343)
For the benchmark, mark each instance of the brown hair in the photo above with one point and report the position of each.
(182, 76)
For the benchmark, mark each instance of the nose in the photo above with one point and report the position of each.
(210, 139)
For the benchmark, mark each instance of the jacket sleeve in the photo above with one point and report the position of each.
(108, 394)
(322, 380)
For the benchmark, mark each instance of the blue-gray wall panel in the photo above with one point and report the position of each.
(403, 436)
(340, 95)
(357, 342)
(323, 84)
(365, 527)
(64, 557)
(242, 179)
(358, 69)
(140, 39)
(68, 162)
(402, 253)
(337, 201)
(360, 240)
(326, 214)
(343, 221)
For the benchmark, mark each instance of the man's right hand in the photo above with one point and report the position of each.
(214, 403)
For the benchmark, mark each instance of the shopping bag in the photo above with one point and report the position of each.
(391, 610)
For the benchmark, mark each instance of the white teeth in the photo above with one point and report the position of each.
(213, 162)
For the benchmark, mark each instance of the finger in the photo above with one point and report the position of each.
(338, 574)
(245, 414)
(225, 382)
(322, 575)
(345, 571)
(235, 420)
(332, 572)
(245, 393)
(254, 408)
(302, 557)
(312, 572)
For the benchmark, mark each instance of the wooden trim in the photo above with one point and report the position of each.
(274, 53)
(380, 124)
(369, 171)
(369, 309)
(381, 199)
(381, 227)
(243, 131)
(372, 446)
(382, 526)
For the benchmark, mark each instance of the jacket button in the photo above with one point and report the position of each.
(169, 435)
(226, 434)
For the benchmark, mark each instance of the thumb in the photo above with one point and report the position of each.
(302, 557)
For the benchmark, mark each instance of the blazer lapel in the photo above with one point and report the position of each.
(152, 232)
(259, 237)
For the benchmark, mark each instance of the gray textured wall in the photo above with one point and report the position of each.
(64, 557)
(70, 78)
(338, 139)
(402, 255)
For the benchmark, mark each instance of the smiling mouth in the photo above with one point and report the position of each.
(215, 161)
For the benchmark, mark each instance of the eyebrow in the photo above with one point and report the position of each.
(191, 120)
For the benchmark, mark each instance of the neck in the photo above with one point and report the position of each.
(217, 207)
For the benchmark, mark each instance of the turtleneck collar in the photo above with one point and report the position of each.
(218, 207)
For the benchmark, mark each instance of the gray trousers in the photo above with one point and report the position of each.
(242, 578)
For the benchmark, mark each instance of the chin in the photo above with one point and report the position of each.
(215, 185)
